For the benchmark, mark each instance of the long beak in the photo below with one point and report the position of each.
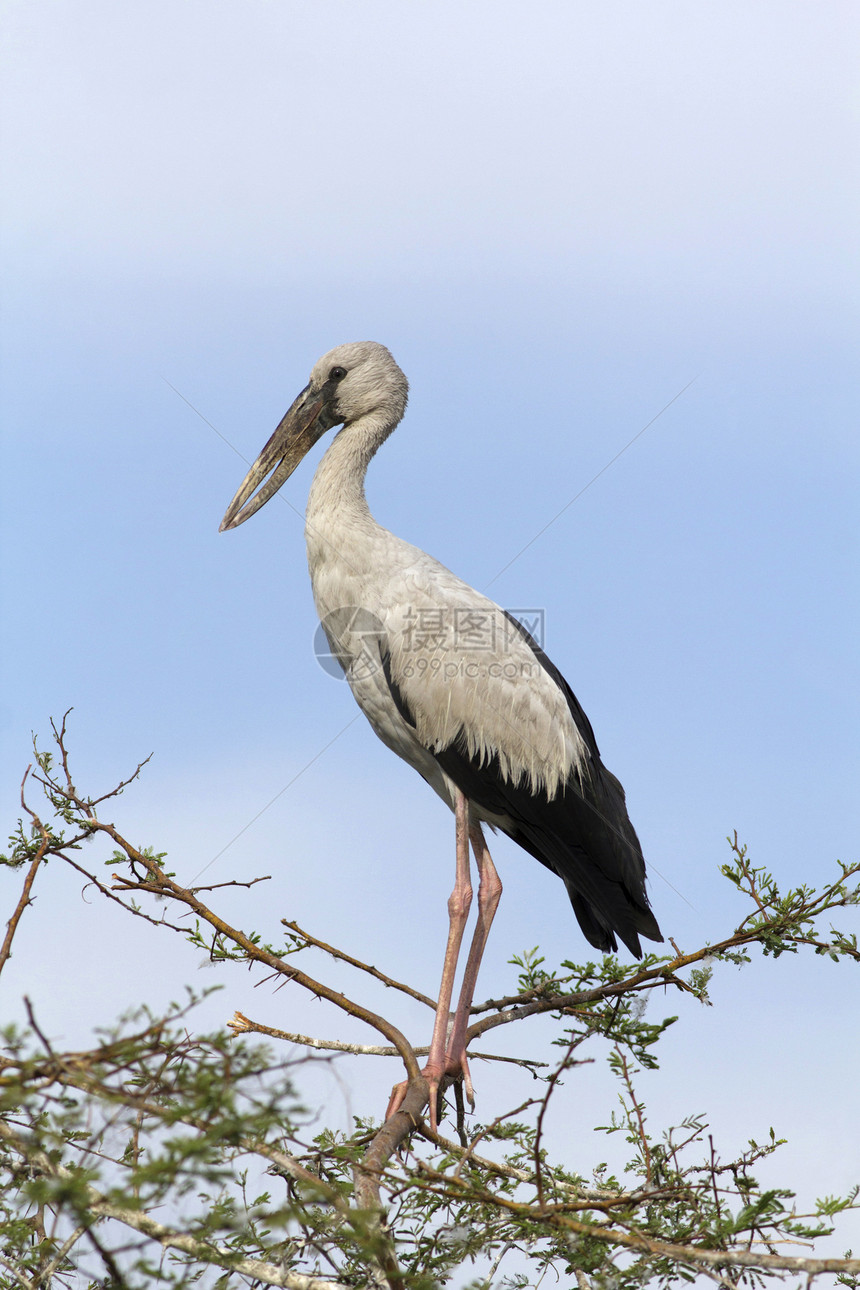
(294, 437)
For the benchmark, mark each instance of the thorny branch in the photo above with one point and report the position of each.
(242, 1025)
(149, 878)
(98, 1206)
(362, 967)
(552, 1084)
(687, 1255)
(561, 1204)
(24, 899)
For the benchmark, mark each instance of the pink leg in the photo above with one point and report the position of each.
(489, 894)
(459, 903)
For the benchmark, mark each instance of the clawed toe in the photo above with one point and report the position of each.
(396, 1100)
(455, 1069)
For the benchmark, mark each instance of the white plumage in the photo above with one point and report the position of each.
(453, 685)
(450, 682)
(489, 691)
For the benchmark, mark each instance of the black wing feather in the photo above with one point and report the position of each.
(583, 834)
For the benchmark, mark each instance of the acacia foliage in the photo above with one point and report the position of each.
(159, 1156)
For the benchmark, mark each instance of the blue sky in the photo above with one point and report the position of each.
(556, 217)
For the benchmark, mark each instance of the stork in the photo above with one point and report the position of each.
(455, 686)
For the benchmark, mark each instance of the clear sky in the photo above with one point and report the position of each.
(556, 216)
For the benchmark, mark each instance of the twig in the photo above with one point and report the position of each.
(116, 1280)
(58, 1256)
(234, 882)
(24, 898)
(544, 1104)
(158, 883)
(60, 738)
(109, 892)
(640, 1117)
(240, 1025)
(19, 1276)
(689, 1255)
(31, 1017)
(469, 1149)
(363, 967)
(517, 1000)
(169, 1238)
(645, 979)
(494, 1266)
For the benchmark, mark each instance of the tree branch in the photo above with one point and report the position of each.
(638, 1241)
(241, 1025)
(363, 967)
(167, 1237)
(159, 883)
(24, 898)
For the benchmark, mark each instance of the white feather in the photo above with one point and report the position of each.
(462, 669)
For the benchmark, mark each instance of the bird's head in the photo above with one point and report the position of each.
(354, 381)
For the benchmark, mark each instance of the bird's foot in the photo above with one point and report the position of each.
(456, 1067)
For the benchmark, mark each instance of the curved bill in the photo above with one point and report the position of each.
(295, 436)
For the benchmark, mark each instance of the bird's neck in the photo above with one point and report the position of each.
(336, 503)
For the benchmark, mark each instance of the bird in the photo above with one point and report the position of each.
(453, 684)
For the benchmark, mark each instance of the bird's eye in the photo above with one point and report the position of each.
(337, 374)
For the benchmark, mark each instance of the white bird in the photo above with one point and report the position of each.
(452, 684)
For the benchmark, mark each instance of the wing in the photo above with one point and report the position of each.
(463, 693)
(468, 674)
(517, 743)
